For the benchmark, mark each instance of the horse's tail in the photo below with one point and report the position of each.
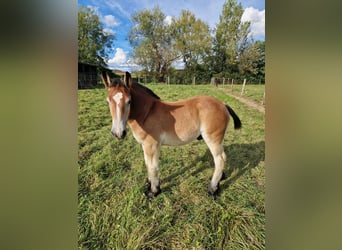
(237, 122)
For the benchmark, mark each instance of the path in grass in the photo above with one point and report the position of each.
(247, 101)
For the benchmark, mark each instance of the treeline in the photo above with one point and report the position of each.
(161, 44)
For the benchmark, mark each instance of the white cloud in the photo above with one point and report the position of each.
(116, 6)
(110, 21)
(94, 8)
(120, 61)
(168, 20)
(108, 31)
(119, 58)
(257, 19)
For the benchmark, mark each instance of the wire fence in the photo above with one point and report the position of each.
(186, 80)
(254, 91)
(243, 88)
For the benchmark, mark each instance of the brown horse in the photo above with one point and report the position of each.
(155, 122)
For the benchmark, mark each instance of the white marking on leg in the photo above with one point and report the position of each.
(151, 155)
(219, 160)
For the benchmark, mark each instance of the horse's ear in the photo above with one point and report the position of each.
(128, 79)
(105, 79)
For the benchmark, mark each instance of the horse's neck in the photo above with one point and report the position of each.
(141, 105)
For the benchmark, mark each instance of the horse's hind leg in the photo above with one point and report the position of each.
(151, 156)
(219, 155)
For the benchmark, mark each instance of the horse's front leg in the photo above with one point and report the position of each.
(151, 156)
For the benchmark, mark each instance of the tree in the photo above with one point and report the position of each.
(151, 39)
(230, 38)
(248, 60)
(261, 60)
(192, 38)
(93, 43)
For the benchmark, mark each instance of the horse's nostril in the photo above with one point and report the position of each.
(119, 136)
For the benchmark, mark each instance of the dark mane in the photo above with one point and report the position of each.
(147, 90)
(116, 81)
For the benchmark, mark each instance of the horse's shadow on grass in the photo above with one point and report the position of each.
(240, 158)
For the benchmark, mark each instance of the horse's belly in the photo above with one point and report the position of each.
(172, 139)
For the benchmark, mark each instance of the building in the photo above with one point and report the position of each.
(87, 75)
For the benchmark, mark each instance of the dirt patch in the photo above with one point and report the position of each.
(247, 101)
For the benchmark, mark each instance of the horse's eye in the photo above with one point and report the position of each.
(129, 102)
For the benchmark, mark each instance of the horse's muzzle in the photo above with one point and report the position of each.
(121, 135)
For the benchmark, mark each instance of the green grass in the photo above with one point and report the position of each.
(253, 92)
(113, 212)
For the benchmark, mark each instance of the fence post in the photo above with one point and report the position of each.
(223, 81)
(194, 80)
(243, 86)
(168, 80)
(232, 84)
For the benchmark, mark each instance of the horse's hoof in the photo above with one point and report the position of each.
(149, 194)
(212, 192)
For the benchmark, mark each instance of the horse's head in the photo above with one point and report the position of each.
(119, 101)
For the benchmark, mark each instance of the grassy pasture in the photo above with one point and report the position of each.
(113, 212)
(254, 92)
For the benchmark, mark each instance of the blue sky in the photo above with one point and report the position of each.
(116, 18)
